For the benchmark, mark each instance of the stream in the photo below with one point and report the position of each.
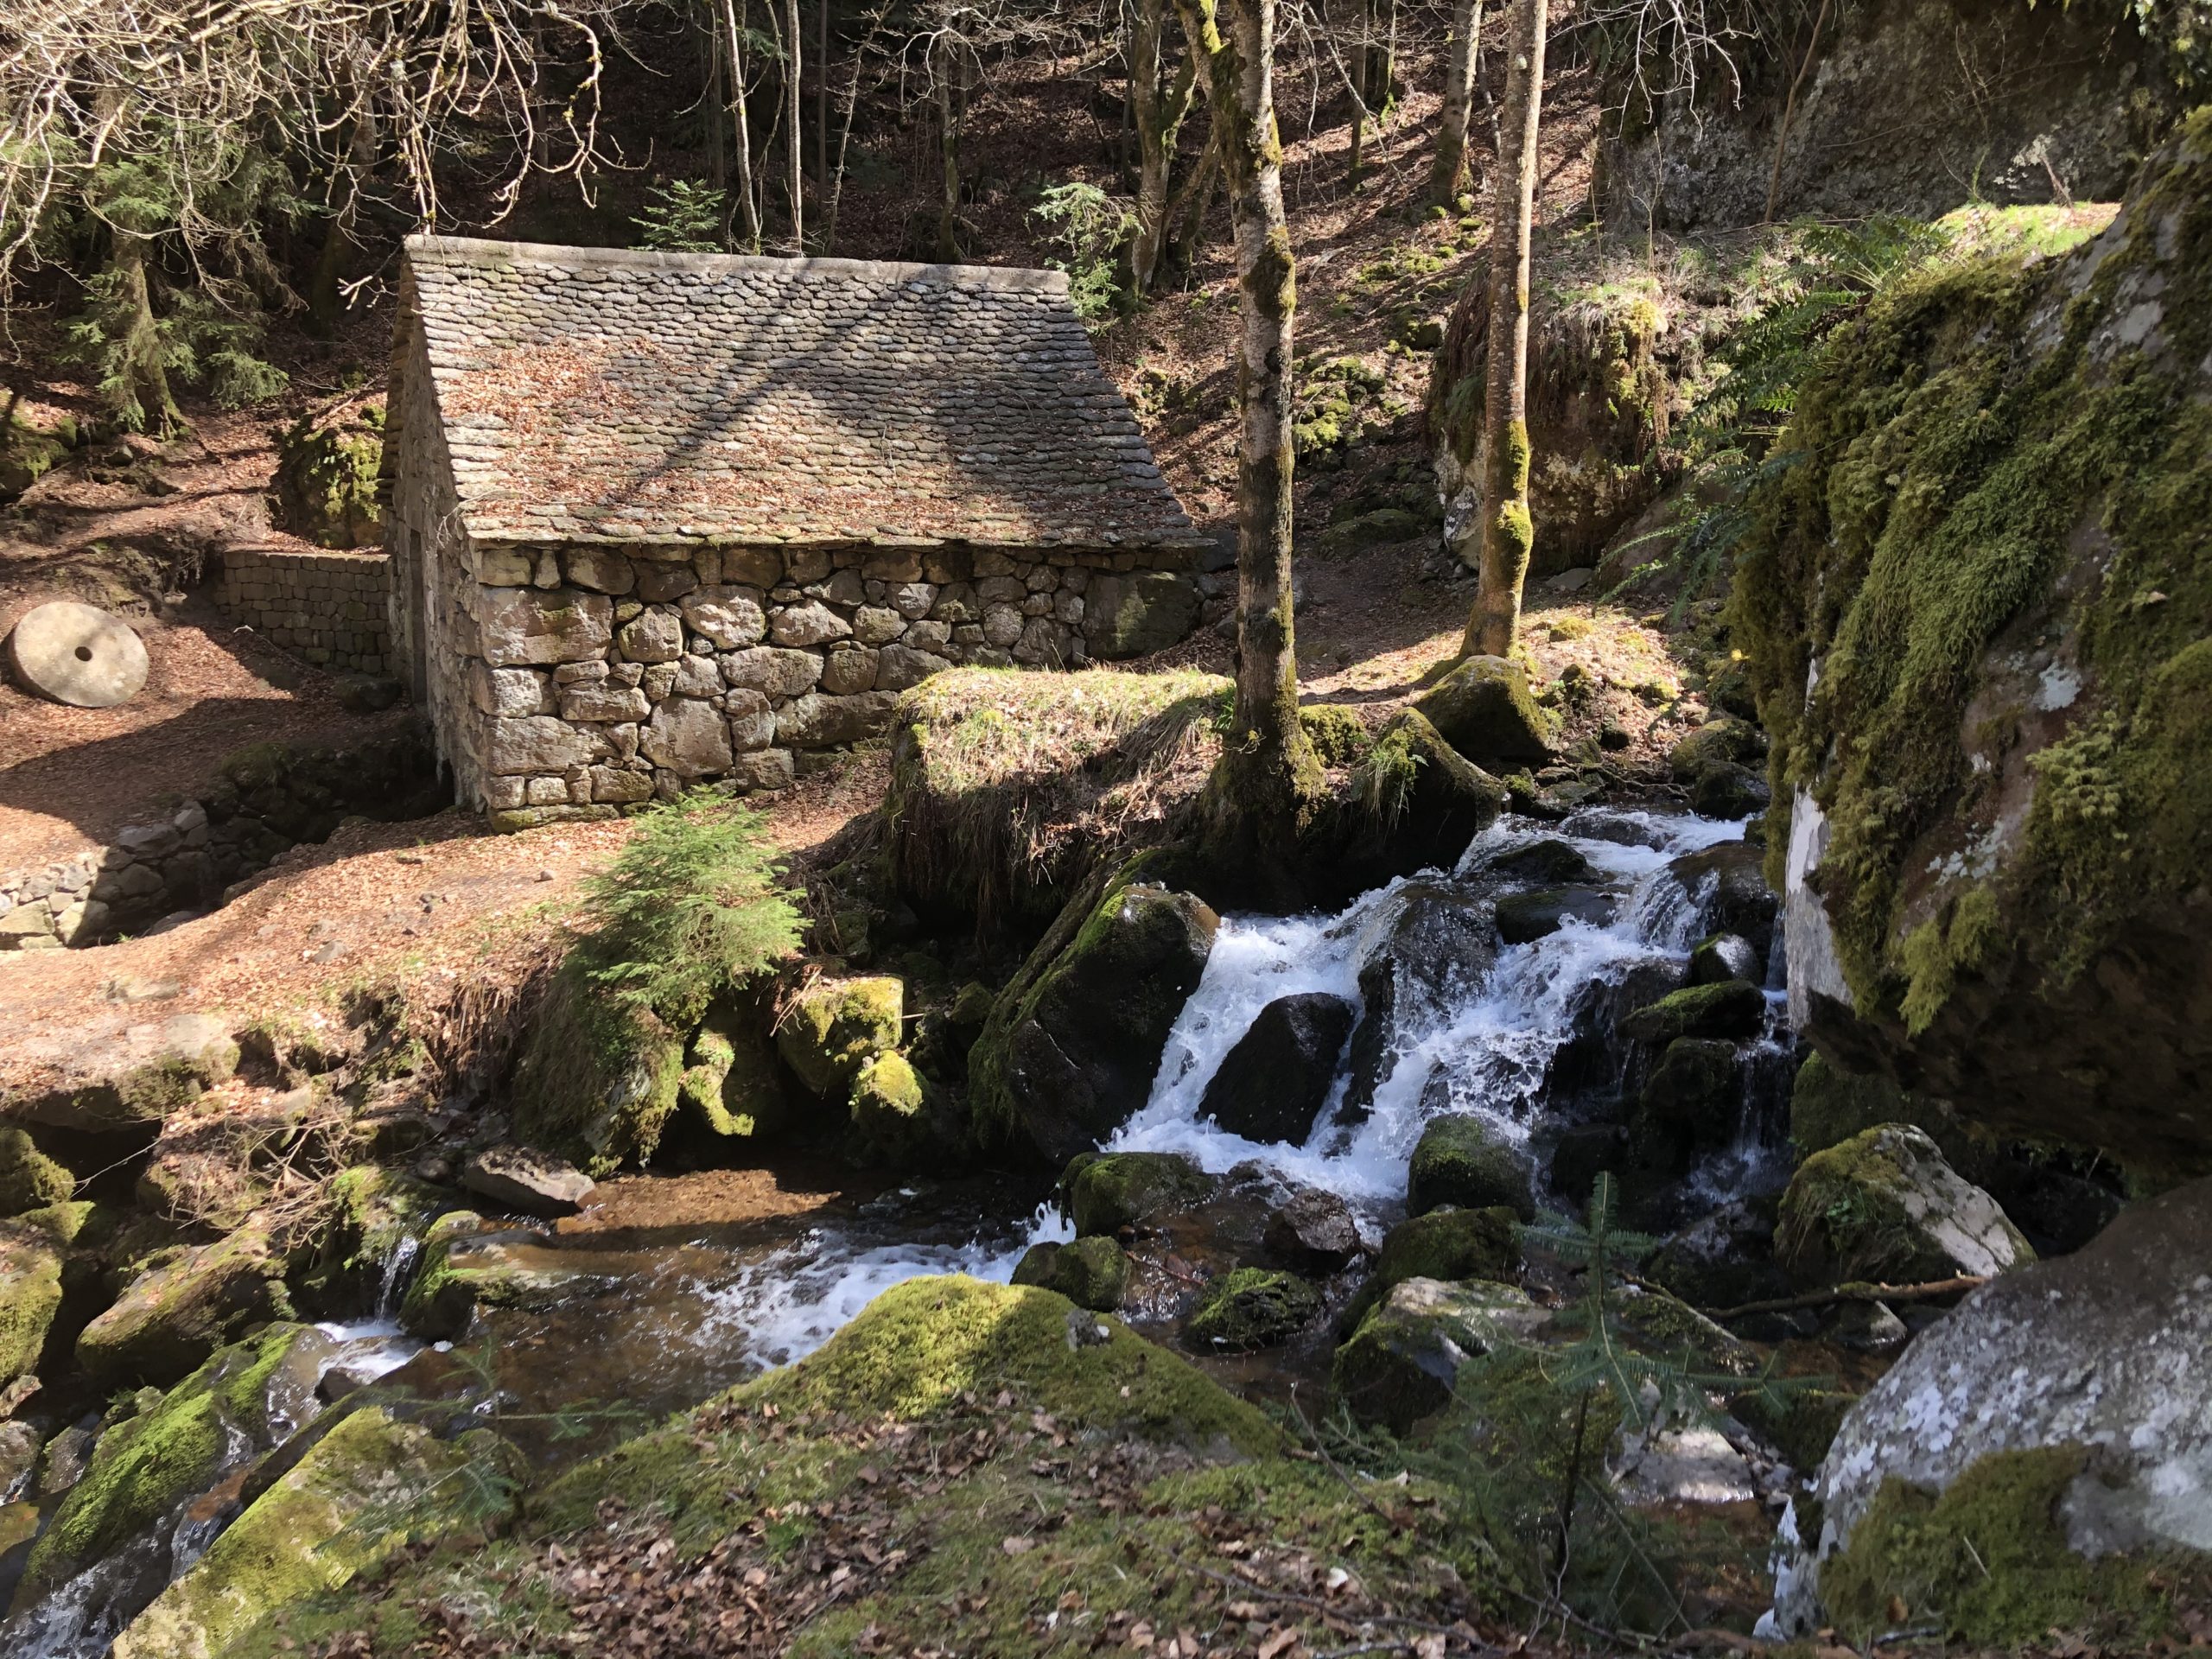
(657, 1318)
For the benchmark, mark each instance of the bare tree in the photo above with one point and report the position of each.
(1508, 533)
(1160, 97)
(795, 175)
(1449, 167)
(1269, 778)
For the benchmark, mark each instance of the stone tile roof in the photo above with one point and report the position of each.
(593, 393)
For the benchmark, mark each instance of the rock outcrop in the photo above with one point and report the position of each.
(2080, 1382)
(1986, 670)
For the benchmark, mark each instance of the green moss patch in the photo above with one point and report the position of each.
(597, 1078)
(1250, 1309)
(833, 1027)
(1091, 1273)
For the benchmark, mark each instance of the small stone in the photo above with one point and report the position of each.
(523, 1179)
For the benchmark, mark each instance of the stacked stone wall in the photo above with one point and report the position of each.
(331, 608)
(595, 678)
(267, 798)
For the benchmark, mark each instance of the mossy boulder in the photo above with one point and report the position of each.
(1462, 1161)
(1452, 1245)
(1403, 1362)
(1733, 1008)
(1725, 741)
(325, 488)
(31, 1296)
(370, 1488)
(1991, 816)
(1091, 1273)
(833, 1027)
(891, 1109)
(597, 1078)
(28, 1179)
(1883, 1207)
(172, 1317)
(1692, 1100)
(1829, 1105)
(243, 1401)
(1484, 709)
(1249, 1309)
(130, 1094)
(29, 453)
(920, 1343)
(1115, 1190)
(1723, 790)
(1412, 803)
(467, 1265)
(1070, 1052)
(732, 1087)
(1719, 958)
(373, 1222)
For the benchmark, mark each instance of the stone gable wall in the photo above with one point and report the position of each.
(587, 677)
(330, 608)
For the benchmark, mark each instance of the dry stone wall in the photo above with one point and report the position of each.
(599, 677)
(266, 799)
(331, 608)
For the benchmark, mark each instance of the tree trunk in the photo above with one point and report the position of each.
(1508, 534)
(143, 396)
(795, 182)
(1269, 779)
(1360, 66)
(822, 97)
(1186, 215)
(1158, 107)
(948, 130)
(1450, 166)
(748, 200)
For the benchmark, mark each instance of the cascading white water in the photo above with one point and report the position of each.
(1492, 1047)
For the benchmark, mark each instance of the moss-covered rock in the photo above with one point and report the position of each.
(1450, 1244)
(1883, 1207)
(597, 1079)
(325, 482)
(1403, 1364)
(466, 1265)
(1250, 1309)
(1071, 1048)
(370, 1488)
(172, 1317)
(1829, 1105)
(1413, 803)
(1725, 740)
(1733, 1008)
(1988, 1559)
(1130, 1189)
(922, 1343)
(189, 1053)
(1997, 551)
(835, 1027)
(1091, 1273)
(373, 1220)
(28, 1179)
(29, 453)
(732, 1087)
(243, 1400)
(1461, 1161)
(30, 1295)
(1483, 709)
(1692, 1099)
(890, 1111)
(1719, 958)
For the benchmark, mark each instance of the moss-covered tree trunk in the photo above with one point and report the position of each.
(140, 373)
(1158, 104)
(1362, 83)
(1449, 165)
(1269, 779)
(1508, 533)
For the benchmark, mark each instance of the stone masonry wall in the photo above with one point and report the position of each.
(597, 677)
(266, 799)
(331, 608)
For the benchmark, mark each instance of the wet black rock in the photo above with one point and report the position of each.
(1273, 1084)
(1314, 1232)
(1721, 956)
(1523, 917)
(1460, 1160)
(1730, 881)
(1724, 1259)
(1582, 1153)
(1551, 861)
(1731, 1009)
(1438, 952)
(1726, 791)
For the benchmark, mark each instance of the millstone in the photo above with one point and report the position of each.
(77, 654)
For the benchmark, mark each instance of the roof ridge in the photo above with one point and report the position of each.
(470, 250)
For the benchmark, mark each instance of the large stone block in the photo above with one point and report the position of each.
(620, 785)
(816, 722)
(899, 666)
(877, 624)
(763, 769)
(1135, 613)
(519, 626)
(848, 670)
(601, 570)
(597, 703)
(752, 723)
(773, 670)
(756, 566)
(808, 624)
(688, 737)
(730, 615)
(654, 635)
(539, 743)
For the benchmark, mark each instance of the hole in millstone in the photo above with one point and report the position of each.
(84, 653)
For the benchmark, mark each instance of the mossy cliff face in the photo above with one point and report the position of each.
(1993, 568)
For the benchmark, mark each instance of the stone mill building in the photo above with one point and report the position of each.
(660, 519)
